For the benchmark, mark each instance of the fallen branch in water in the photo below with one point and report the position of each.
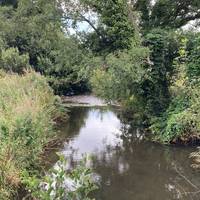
(184, 177)
(185, 193)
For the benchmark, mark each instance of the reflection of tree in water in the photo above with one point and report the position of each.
(68, 129)
(102, 111)
(143, 170)
(181, 182)
(133, 168)
(77, 119)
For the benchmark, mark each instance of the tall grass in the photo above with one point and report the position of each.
(26, 120)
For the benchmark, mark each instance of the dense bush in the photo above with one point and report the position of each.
(180, 122)
(119, 76)
(193, 68)
(163, 46)
(12, 61)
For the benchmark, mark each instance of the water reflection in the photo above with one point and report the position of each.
(92, 136)
(129, 168)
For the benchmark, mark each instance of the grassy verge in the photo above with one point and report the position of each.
(27, 110)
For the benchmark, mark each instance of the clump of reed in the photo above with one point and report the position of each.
(27, 110)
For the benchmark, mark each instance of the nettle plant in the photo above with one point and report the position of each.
(60, 184)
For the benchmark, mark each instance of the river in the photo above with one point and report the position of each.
(127, 166)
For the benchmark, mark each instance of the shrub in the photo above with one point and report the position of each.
(61, 184)
(12, 61)
(180, 122)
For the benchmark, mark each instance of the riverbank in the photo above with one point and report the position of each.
(27, 107)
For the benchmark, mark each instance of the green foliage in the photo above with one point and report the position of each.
(39, 41)
(26, 112)
(134, 79)
(173, 123)
(12, 61)
(119, 31)
(180, 122)
(113, 30)
(60, 184)
(151, 87)
(155, 86)
(167, 14)
(193, 69)
(143, 7)
(120, 75)
(66, 67)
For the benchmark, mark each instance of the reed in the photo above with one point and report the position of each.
(27, 109)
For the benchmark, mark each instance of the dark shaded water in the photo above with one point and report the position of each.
(128, 167)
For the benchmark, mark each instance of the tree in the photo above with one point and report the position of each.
(39, 35)
(113, 30)
(155, 86)
(167, 13)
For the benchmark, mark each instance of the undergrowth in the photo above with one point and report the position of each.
(27, 110)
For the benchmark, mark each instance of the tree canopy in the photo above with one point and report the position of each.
(167, 13)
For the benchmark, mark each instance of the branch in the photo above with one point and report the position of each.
(82, 18)
(185, 20)
(92, 25)
(186, 179)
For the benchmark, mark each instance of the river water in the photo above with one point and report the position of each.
(127, 167)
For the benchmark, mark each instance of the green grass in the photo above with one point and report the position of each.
(27, 109)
